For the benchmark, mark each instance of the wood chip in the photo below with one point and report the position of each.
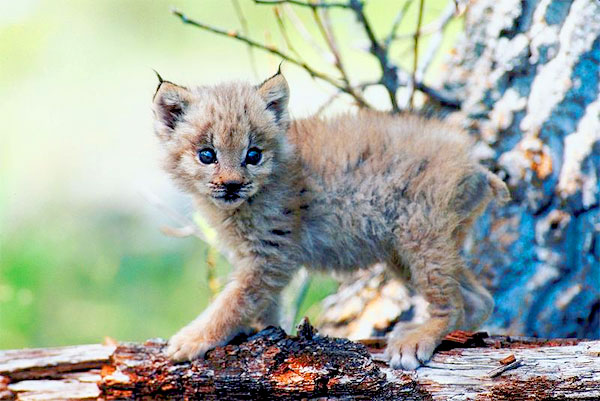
(460, 336)
(373, 342)
(508, 360)
(499, 370)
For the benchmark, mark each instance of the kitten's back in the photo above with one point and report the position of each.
(425, 156)
(343, 143)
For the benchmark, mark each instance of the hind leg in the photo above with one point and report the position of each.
(434, 266)
(478, 302)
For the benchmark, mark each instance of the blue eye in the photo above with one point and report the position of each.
(253, 156)
(207, 156)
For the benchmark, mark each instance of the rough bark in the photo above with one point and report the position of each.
(527, 73)
(271, 365)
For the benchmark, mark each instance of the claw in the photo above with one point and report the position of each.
(411, 350)
(180, 350)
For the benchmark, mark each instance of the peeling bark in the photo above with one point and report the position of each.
(272, 365)
(527, 73)
(531, 83)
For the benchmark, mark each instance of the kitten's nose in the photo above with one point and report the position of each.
(232, 186)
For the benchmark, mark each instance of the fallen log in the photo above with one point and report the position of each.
(271, 365)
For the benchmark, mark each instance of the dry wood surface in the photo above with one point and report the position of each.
(272, 365)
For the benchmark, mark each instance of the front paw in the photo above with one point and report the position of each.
(189, 344)
(411, 350)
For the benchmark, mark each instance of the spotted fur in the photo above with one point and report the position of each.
(330, 194)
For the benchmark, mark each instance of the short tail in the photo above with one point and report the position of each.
(475, 191)
(499, 188)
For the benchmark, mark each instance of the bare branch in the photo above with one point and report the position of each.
(187, 226)
(436, 40)
(327, 103)
(331, 43)
(289, 11)
(365, 85)
(271, 49)
(392, 76)
(434, 26)
(178, 232)
(438, 96)
(270, 43)
(328, 35)
(244, 25)
(434, 45)
(389, 78)
(416, 54)
(283, 32)
(392, 35)
(313, 5)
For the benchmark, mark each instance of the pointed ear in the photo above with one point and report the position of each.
(169, 104)
(275, 92)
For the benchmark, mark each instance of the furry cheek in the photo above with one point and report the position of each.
(196, 175)
(261, 172)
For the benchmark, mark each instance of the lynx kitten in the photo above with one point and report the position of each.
(333, 194)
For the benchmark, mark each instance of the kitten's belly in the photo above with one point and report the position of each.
(347, 230)
(342, 256)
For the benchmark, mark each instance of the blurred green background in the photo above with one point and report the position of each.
(81, 252)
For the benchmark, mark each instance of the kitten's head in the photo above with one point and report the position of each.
(223, 142)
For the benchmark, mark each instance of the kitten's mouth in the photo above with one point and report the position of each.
(233, 197)
(228, 199)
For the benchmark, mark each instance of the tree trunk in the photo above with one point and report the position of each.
(527, 73)
(271, 365)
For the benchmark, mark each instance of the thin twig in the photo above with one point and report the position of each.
(329, 37)
(438, 96)
(214, 284)
(271, 49)
(388, 40)
(297, 22)
(433, 26)
(250, 42)
(435, 41)
(313, 5)
(284, 33)
(416, 55)
(392, 76)
(365, 85)
(331, 44)
(327, 103)
(434, 45)
(291, 316)
(244, 25)
(270, 43)
(389, 78)
(188, 226)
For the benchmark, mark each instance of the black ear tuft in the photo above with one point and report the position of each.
(160, 79)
